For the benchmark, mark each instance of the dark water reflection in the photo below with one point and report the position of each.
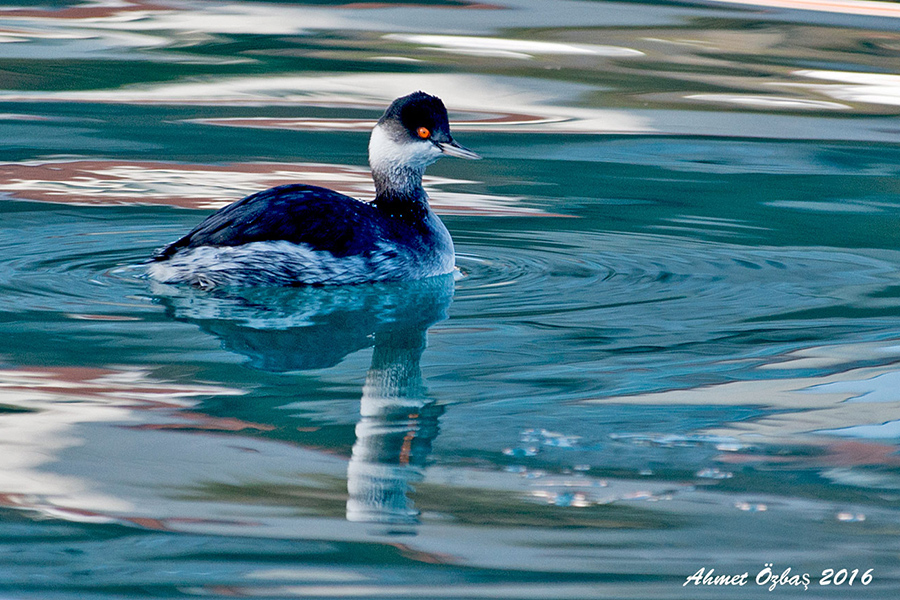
(673, 344)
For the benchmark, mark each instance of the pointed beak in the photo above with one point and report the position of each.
(451, 148)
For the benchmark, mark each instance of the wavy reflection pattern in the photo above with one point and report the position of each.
(313, 328)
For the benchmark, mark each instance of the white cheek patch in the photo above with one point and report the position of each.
(386, 153)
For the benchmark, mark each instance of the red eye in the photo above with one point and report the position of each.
(424, 132)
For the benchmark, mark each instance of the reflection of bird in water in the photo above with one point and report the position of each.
(289, 329)
(394, 435)
(303, 234)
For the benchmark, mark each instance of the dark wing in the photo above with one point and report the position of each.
(302, 214)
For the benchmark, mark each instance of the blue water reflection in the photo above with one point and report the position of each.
(673, 343)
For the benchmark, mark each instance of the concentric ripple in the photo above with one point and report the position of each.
(584, 310)
(593, 270)
(68, 262)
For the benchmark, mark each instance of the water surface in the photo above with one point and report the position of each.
(673, 343)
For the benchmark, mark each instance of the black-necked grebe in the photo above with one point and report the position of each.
(307, 235)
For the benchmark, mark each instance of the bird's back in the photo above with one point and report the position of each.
(300, 214)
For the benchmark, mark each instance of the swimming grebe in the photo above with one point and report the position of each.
(307, 235)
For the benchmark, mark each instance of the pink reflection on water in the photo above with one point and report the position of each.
(132, 387)
(89, 10)
(851, 453)
(196, 186)
(104, 182)
(849, 7)
(109, 9)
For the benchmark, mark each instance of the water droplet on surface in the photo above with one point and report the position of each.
(713, 473)
(849, 517)
(730, 447)
(546, 437)
(529, 436)
(575, 500)
(515, 469)
(638, 495)
(520, 452)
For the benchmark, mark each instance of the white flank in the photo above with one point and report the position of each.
(285, 263)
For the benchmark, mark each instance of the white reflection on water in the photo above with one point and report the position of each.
(874, 88)
(57, 404)
(509, 48)
(881, 388)
(769, 102)
(852, 402)
(886, 431)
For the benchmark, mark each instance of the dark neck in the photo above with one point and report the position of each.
(398, 180)
(399, 192)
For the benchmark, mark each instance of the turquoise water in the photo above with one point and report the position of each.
(673, 343)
